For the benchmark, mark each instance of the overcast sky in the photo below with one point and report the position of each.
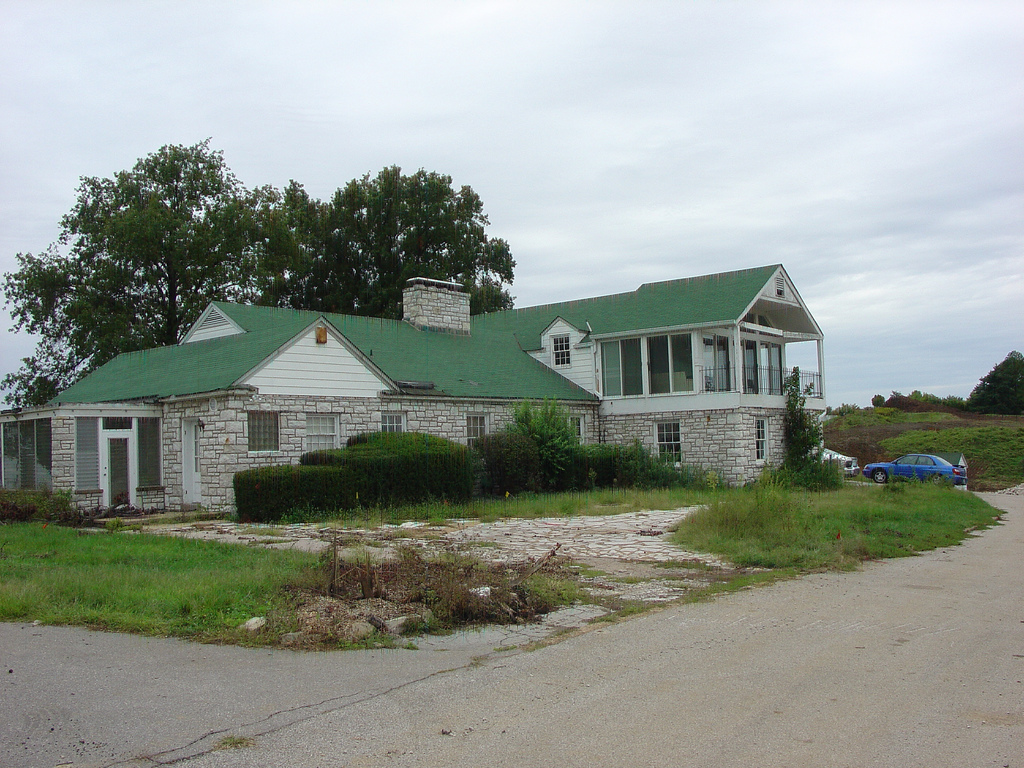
(874, 149)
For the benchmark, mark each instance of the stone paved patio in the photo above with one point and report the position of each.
(625, 546)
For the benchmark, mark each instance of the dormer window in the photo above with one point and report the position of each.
(560, 345)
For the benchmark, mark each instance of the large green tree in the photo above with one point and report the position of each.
(142, 254)
(354, 252)
(1001, 390)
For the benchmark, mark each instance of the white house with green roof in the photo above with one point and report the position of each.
(691, 368)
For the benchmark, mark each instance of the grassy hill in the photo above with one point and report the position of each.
(993, 445)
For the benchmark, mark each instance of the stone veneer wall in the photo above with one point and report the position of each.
(436, 307)
(224, 446)
(722, 441)
(62, 457)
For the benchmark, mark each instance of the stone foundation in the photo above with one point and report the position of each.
(719, 440)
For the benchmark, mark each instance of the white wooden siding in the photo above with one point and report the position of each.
(307, 368)
(582, 368)
(770, 290)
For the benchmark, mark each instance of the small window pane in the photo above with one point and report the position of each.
(392, 422)
(476, 427)
(263, 431)
(320, 433)
(560, 345)
(760, 439)
(669, 444)
(117, 422)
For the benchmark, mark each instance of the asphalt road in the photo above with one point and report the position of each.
(911, 662)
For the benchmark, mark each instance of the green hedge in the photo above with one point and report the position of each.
(511, 464)
(267, 494)
(377, 469)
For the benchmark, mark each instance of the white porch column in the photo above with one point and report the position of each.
(821, 365)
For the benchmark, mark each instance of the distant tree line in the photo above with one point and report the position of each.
(142, 253)
(1000, 391)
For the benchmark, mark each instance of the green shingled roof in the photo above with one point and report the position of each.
(488, 363)
(720, 298)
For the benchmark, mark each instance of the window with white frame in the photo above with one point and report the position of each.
(669, 445)
(560, 345)
(264, 433)
(670, 363)
(577, 424)
(321, 432)
(760, 439)
(476, 427)
(622, 368)
(392, 422)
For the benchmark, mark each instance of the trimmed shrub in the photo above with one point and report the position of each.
(409, 468)
(267, 494)
(595, 466)
(510, 463)
(377, 469)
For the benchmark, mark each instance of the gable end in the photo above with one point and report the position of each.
(212, 324)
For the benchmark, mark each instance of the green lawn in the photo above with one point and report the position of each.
(154, 585)
(775, 528)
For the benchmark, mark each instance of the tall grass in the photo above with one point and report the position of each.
(770, 527)
(152, 585)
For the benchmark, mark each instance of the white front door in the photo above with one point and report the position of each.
(118, 485)
(190, 457)
(118, 472)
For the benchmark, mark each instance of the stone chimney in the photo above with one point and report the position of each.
(436, 305)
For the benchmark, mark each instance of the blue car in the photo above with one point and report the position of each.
(916, 466)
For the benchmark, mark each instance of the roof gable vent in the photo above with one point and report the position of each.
(212, 324)
(780, 286)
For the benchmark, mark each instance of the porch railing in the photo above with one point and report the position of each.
(763, 380)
